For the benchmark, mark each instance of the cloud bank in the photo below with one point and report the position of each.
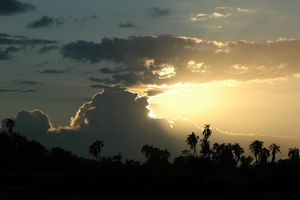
(169, 59)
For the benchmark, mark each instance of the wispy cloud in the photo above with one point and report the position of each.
(127, 25)
(158, 12)
(51, 71)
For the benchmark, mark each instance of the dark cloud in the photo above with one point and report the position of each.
(98, 86)
(10, 44)
(106, 70)
(6, 90)
(153, 92)
(28, 83)
(45, 22)
(169, 59)
(9, 7)
(126, 25)
(28, 91)
(46, 49)
(158, 12)
(5, 54)
(103, 80)
(51, 71)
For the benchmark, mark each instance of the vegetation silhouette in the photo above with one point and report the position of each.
(221, 170)
(95, 149)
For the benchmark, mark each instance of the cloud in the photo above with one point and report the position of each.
(10, 44)
(7, 90)
(158, 12)
(6, 53)
(28, 83)
(116, 116)
(126, 25)
(51, 71)
(10, 7)
(45, 22)
(153, 92)
(46, 49)
(169, 59)
(28, 91)
(120, 119)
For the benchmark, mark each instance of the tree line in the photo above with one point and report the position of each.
(196, 165)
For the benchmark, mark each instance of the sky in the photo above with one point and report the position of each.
(140, 72)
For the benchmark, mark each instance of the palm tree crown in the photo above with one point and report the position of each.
(95, 149)
(192, 141)
(274, 148)
(206, 132)
(10, 123)
(256, 147)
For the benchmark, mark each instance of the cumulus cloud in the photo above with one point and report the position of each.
(169, 59)
(120, 119)
(116, 116)
(10, 7)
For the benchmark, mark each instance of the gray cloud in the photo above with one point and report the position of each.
(10, 44)
(153, 92)
(9, 7)
(5, 54)
(45, 22)
(51, 71)
(126, 25)
(158, 12)
(28, 83)
(168, 59)
(6, 90)
(46, 49)
(29, 91)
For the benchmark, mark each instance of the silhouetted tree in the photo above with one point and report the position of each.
(256, 147)
(238, 151)
(9, 124)
(264, 155)
(205, 148)
(192, 141)
(246, 162)
(206, 132)
(154, 155)
(274, 148)
(294, 155)
(95, 149)
(205, 145)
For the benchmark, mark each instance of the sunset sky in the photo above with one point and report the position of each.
(137, 72)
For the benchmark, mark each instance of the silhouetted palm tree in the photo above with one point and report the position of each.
(256, 147)
(246, 162)
(294, 155)
(205, 148)
(206, 132)
(192, 141)
(95, 149)
(10, 123)
(274, 148)
(238, 151)
(264, 155)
